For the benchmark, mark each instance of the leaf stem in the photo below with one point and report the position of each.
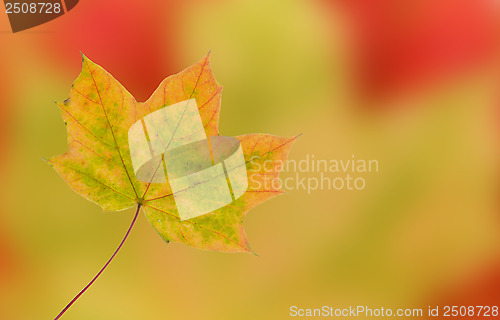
(103, 268)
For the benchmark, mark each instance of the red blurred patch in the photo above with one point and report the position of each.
(404, 45)
(135, 41)
(480, 289)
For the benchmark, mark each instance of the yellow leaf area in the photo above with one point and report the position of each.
(98, 166)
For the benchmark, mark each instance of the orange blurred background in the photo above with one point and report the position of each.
(412, 84)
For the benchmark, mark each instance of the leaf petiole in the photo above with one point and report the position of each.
(103, 268)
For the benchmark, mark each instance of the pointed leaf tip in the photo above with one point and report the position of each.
(207, 57)
(85, 58)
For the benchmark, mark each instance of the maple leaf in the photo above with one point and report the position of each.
(99, 115)
(98, 165)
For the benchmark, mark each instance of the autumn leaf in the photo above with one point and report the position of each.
(98, 165)
(98, 115)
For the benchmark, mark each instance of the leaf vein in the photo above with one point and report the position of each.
(90, 177)
(110, 128)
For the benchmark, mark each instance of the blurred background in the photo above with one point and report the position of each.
(412, 84)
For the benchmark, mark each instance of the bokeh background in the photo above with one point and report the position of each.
(412, 84)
